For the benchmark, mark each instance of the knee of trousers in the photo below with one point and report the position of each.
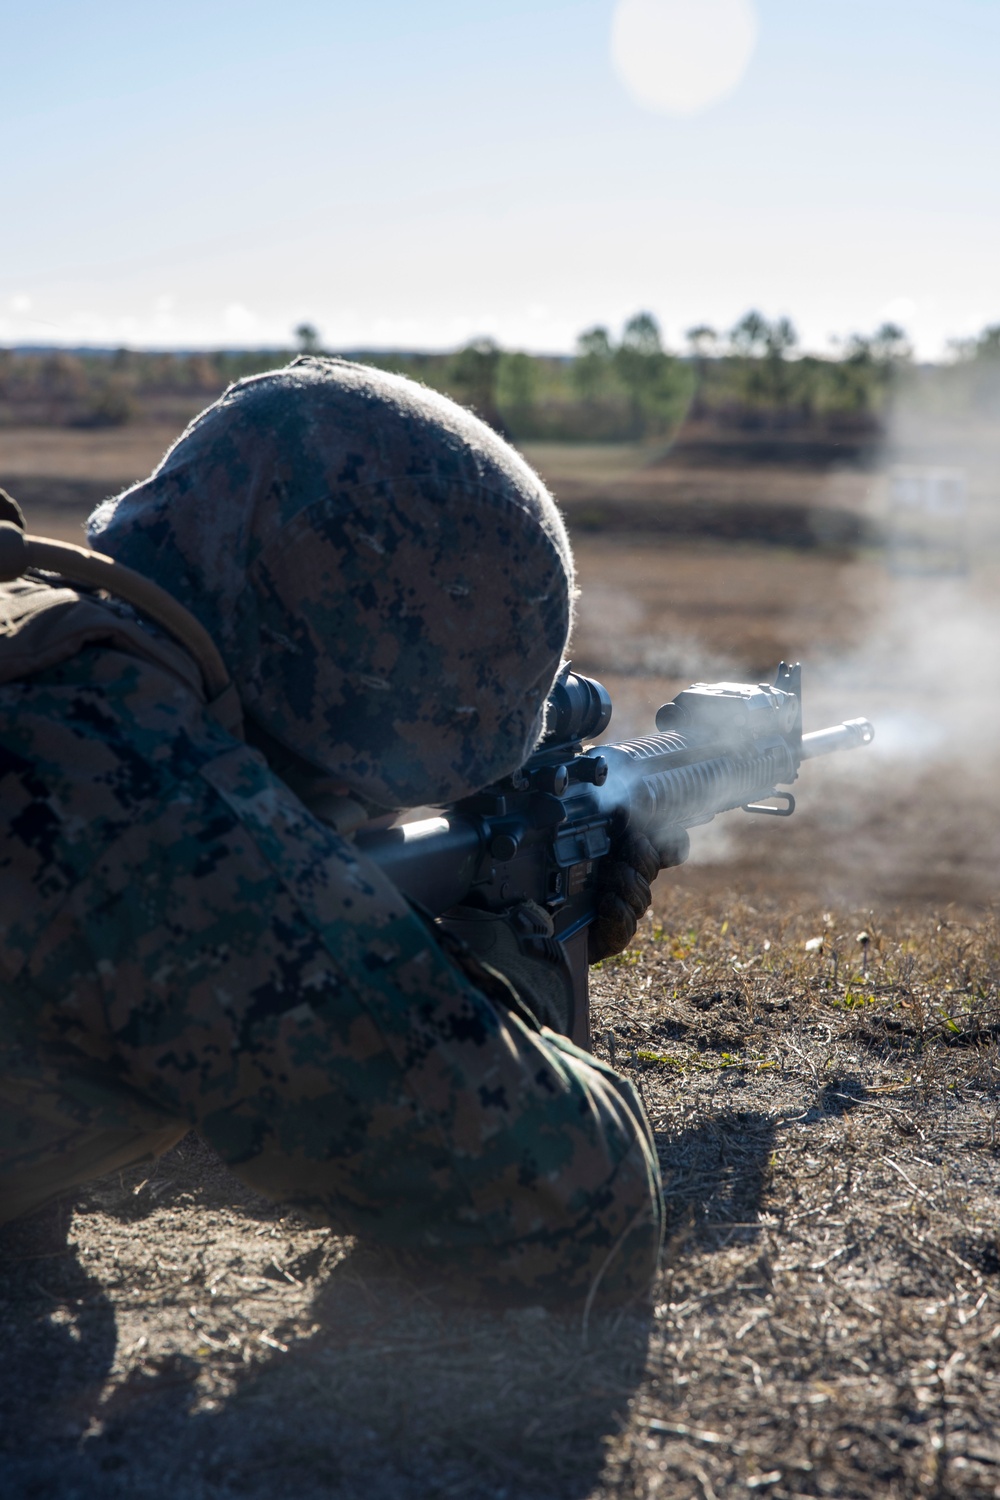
(93, 1153)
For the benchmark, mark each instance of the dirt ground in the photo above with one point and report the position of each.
(826, 1323)
(916, 817)
(812, 1015)
(60, 474)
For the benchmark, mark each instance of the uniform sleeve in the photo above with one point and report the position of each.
(239, 965)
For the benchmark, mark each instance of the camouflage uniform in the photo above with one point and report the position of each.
(182, 943)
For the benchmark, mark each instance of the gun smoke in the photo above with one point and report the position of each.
(905, 633)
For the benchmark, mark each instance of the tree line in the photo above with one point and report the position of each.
(624, 386)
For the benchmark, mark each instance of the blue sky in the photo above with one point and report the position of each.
(414, 175)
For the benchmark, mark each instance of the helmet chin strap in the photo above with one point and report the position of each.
(20, 553)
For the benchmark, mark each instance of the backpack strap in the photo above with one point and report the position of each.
(10, 510)
(20, 553)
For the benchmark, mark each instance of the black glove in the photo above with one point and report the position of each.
(518, 943)
(623, 893)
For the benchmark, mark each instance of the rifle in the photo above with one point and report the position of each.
(542, 832)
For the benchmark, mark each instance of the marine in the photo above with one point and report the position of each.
(189, 939)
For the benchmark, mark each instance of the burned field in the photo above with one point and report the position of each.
(825, 1096)
(812, 1015)
(827, 1321)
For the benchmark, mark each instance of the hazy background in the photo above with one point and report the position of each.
(400, 174)
(812, 1010)
(775, 225)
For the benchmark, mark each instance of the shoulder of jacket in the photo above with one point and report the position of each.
(43, 624)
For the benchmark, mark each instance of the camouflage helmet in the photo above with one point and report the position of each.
(388, 582)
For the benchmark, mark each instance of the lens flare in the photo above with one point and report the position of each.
(679, 56)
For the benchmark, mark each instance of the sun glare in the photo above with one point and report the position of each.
(678, 56)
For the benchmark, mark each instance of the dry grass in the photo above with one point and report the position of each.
(60, 473)
(827, 1321)
(830, 1313)
(578, 474)
(117, 455)
(689, 608)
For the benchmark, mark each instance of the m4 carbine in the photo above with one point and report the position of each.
(542, 833)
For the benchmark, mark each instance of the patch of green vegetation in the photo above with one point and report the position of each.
(700, 1063)
(624, 388)
(631, 958)
(853, 1000)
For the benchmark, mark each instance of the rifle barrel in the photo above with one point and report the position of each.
(433, 861)
(849, 736)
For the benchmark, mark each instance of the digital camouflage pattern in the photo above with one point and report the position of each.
(388, 582)
(183, 944)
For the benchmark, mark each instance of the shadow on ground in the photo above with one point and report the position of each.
(715, 1175)
(377, 1387)
(57, 1324)
(716, 1172)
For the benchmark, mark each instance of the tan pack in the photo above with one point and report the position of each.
(43, 622)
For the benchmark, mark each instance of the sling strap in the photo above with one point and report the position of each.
(42, 623)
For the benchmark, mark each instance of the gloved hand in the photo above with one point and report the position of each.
(623, 893)
(519, 944)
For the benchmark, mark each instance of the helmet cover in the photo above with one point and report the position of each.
(388, 581)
